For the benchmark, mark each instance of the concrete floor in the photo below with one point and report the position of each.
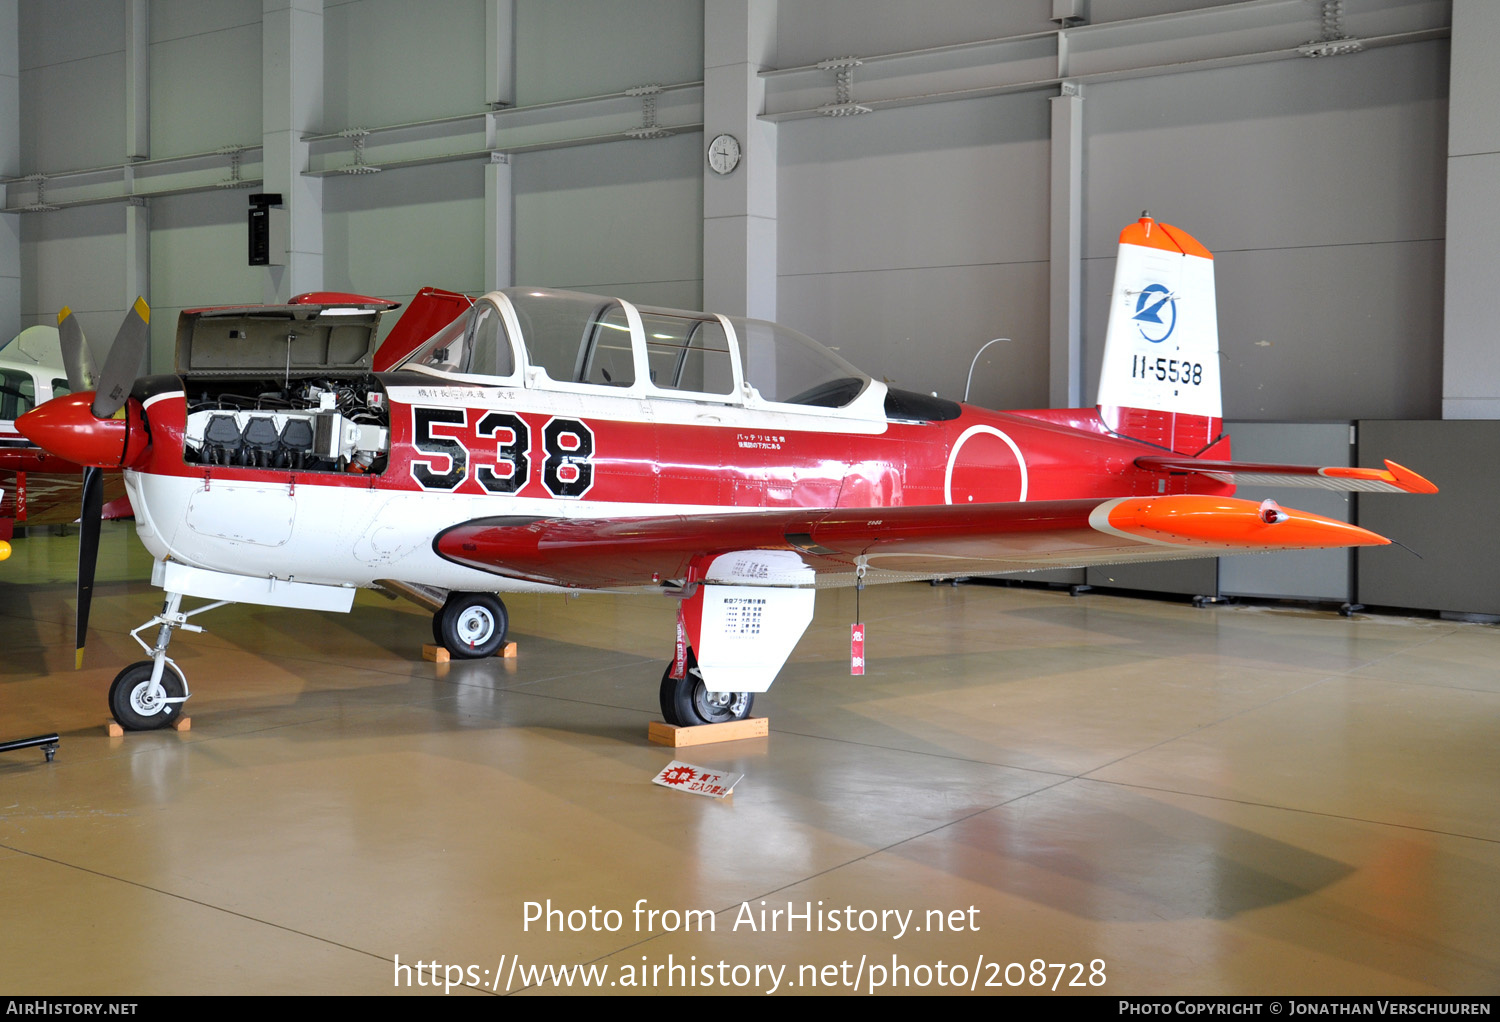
(1230, 800)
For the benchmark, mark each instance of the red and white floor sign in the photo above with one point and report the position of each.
(697, 780)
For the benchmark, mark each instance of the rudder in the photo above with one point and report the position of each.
(1160, 378)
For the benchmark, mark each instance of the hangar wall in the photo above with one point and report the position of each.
(906, 237)
(1320, 193)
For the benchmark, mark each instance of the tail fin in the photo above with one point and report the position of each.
(1160, 381)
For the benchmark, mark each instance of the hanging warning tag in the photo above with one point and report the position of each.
(679, 655)
(857, 649)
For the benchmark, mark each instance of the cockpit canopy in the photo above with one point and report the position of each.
(566, 340)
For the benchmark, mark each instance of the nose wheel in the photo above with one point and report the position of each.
(687, 701)
(471, 626)
(138, 705)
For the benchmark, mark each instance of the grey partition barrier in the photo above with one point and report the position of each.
(1454, 530)
(1296, 574)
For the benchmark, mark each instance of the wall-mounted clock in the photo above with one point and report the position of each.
(724, 154)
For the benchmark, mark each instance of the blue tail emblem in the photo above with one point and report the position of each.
(1148, 313)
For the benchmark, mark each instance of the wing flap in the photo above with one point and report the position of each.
(1393, 478)
(909, 542)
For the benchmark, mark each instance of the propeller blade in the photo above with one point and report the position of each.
(124, 361)
(88, 552)
(75, 352)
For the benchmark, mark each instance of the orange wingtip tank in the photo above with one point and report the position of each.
(1147, 233)
(1195, 520)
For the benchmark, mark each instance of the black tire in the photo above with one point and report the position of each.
(127, 702)
(472, 626)
(687, 702)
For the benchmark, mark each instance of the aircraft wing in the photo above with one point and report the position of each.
(894, 543)
(1393, 478)
(25, 457)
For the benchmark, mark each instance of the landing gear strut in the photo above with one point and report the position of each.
(471, 626)
(687, 702)
(149, 693)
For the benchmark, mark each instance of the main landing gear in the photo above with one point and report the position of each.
(149, 693)
(687, 702)
(471, 626)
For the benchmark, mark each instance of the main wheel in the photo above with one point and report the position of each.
(131, 703)
(472, 625)
(687, 702)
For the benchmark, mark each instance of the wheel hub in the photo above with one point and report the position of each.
(143, 702)
(724, 704)
(475, 626)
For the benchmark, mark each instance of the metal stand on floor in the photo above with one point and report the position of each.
(49, 744)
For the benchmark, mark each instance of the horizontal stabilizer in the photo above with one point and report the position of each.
(1393, 478)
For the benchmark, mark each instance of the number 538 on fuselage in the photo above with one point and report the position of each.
(542, 440)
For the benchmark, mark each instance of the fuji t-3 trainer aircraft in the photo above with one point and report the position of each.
(539, 440)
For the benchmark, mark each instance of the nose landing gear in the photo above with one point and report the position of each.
(149, 693)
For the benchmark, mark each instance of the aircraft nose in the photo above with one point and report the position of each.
(67, 428)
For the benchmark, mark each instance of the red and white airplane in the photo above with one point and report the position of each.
(40, 488)
(27, 378)
(540, 440)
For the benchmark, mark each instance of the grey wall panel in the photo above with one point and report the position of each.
(394, 232)
(920, 328)
(1471, 364)
(1120, 10)
(961, 184)
(1459, 567)
(54, 31)
(1273, 156)
(808, 32)
(671, 294)
(206, 90)
(183, 19)
(1471, 372)
(392, 61)
(594, 47)
(1196, 577)
(1474, 116)
(73, 257)
(198, 250)
(86, 96)
(903, 239)
(1051, 576)
(622, 213)
(1339, 332)
(1296, 574)
(1313, 333)
(198, 258)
